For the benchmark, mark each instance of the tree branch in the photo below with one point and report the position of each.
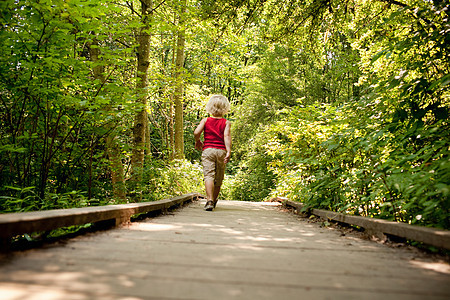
(394, 2)
(157, 6)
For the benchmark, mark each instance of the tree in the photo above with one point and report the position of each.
(112, 146)
(141, 119)
(179, 84)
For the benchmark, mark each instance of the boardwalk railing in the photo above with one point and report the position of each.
(13, 224)
(435, 237)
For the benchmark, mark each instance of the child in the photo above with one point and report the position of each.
(216, 146)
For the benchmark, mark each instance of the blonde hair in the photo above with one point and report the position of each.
(218, 105)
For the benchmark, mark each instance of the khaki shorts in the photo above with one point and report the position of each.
(213, 165)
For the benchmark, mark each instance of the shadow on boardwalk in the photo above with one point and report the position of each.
(241, 250)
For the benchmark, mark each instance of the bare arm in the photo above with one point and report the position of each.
(198, 133)
(227, 140)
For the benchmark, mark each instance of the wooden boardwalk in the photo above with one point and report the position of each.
(241, 250)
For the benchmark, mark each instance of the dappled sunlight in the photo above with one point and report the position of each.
(47, 276)
(87, 281)
(338, 150)
(440, 267)
(270, 238)
(13, 291)
(221, 258)
(21, 292)
(78, 280)
(203, 225)
(249, 247)
(309, 234)
(125, 281)
(153, 227)
(196, 254)
(230, 231)
(263, 229)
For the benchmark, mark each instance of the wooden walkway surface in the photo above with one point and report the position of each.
(241, 250)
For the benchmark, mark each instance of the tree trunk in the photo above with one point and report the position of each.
(171, 130)
(171, 112)
(140, 120)
(112, 147)
(148, 145)
(179, 83)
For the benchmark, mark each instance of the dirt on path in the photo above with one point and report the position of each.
(242, 250)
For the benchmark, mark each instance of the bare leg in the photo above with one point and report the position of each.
(209, 187)
(216, 192)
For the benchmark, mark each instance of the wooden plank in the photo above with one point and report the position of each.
(250, 250)
(19, 223)
(435, 237)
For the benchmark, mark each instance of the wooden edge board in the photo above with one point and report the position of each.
(435, 237)
(12, 224)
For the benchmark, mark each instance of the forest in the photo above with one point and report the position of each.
(339, 104)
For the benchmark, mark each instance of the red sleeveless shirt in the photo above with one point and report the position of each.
(214, 133)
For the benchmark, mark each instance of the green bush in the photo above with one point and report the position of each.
(169, 179)
(14, 199)
(253, 180)
(329, 159)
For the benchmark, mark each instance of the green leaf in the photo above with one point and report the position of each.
(378, 55)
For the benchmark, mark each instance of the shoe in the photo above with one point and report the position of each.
(214, 203)
(209, 206)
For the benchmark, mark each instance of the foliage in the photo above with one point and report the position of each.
(52, 121)
(322, 159)
(56, 115)
(252, 181)
(379, 149)
(340, 104)
(25, 200)
(166, 179)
